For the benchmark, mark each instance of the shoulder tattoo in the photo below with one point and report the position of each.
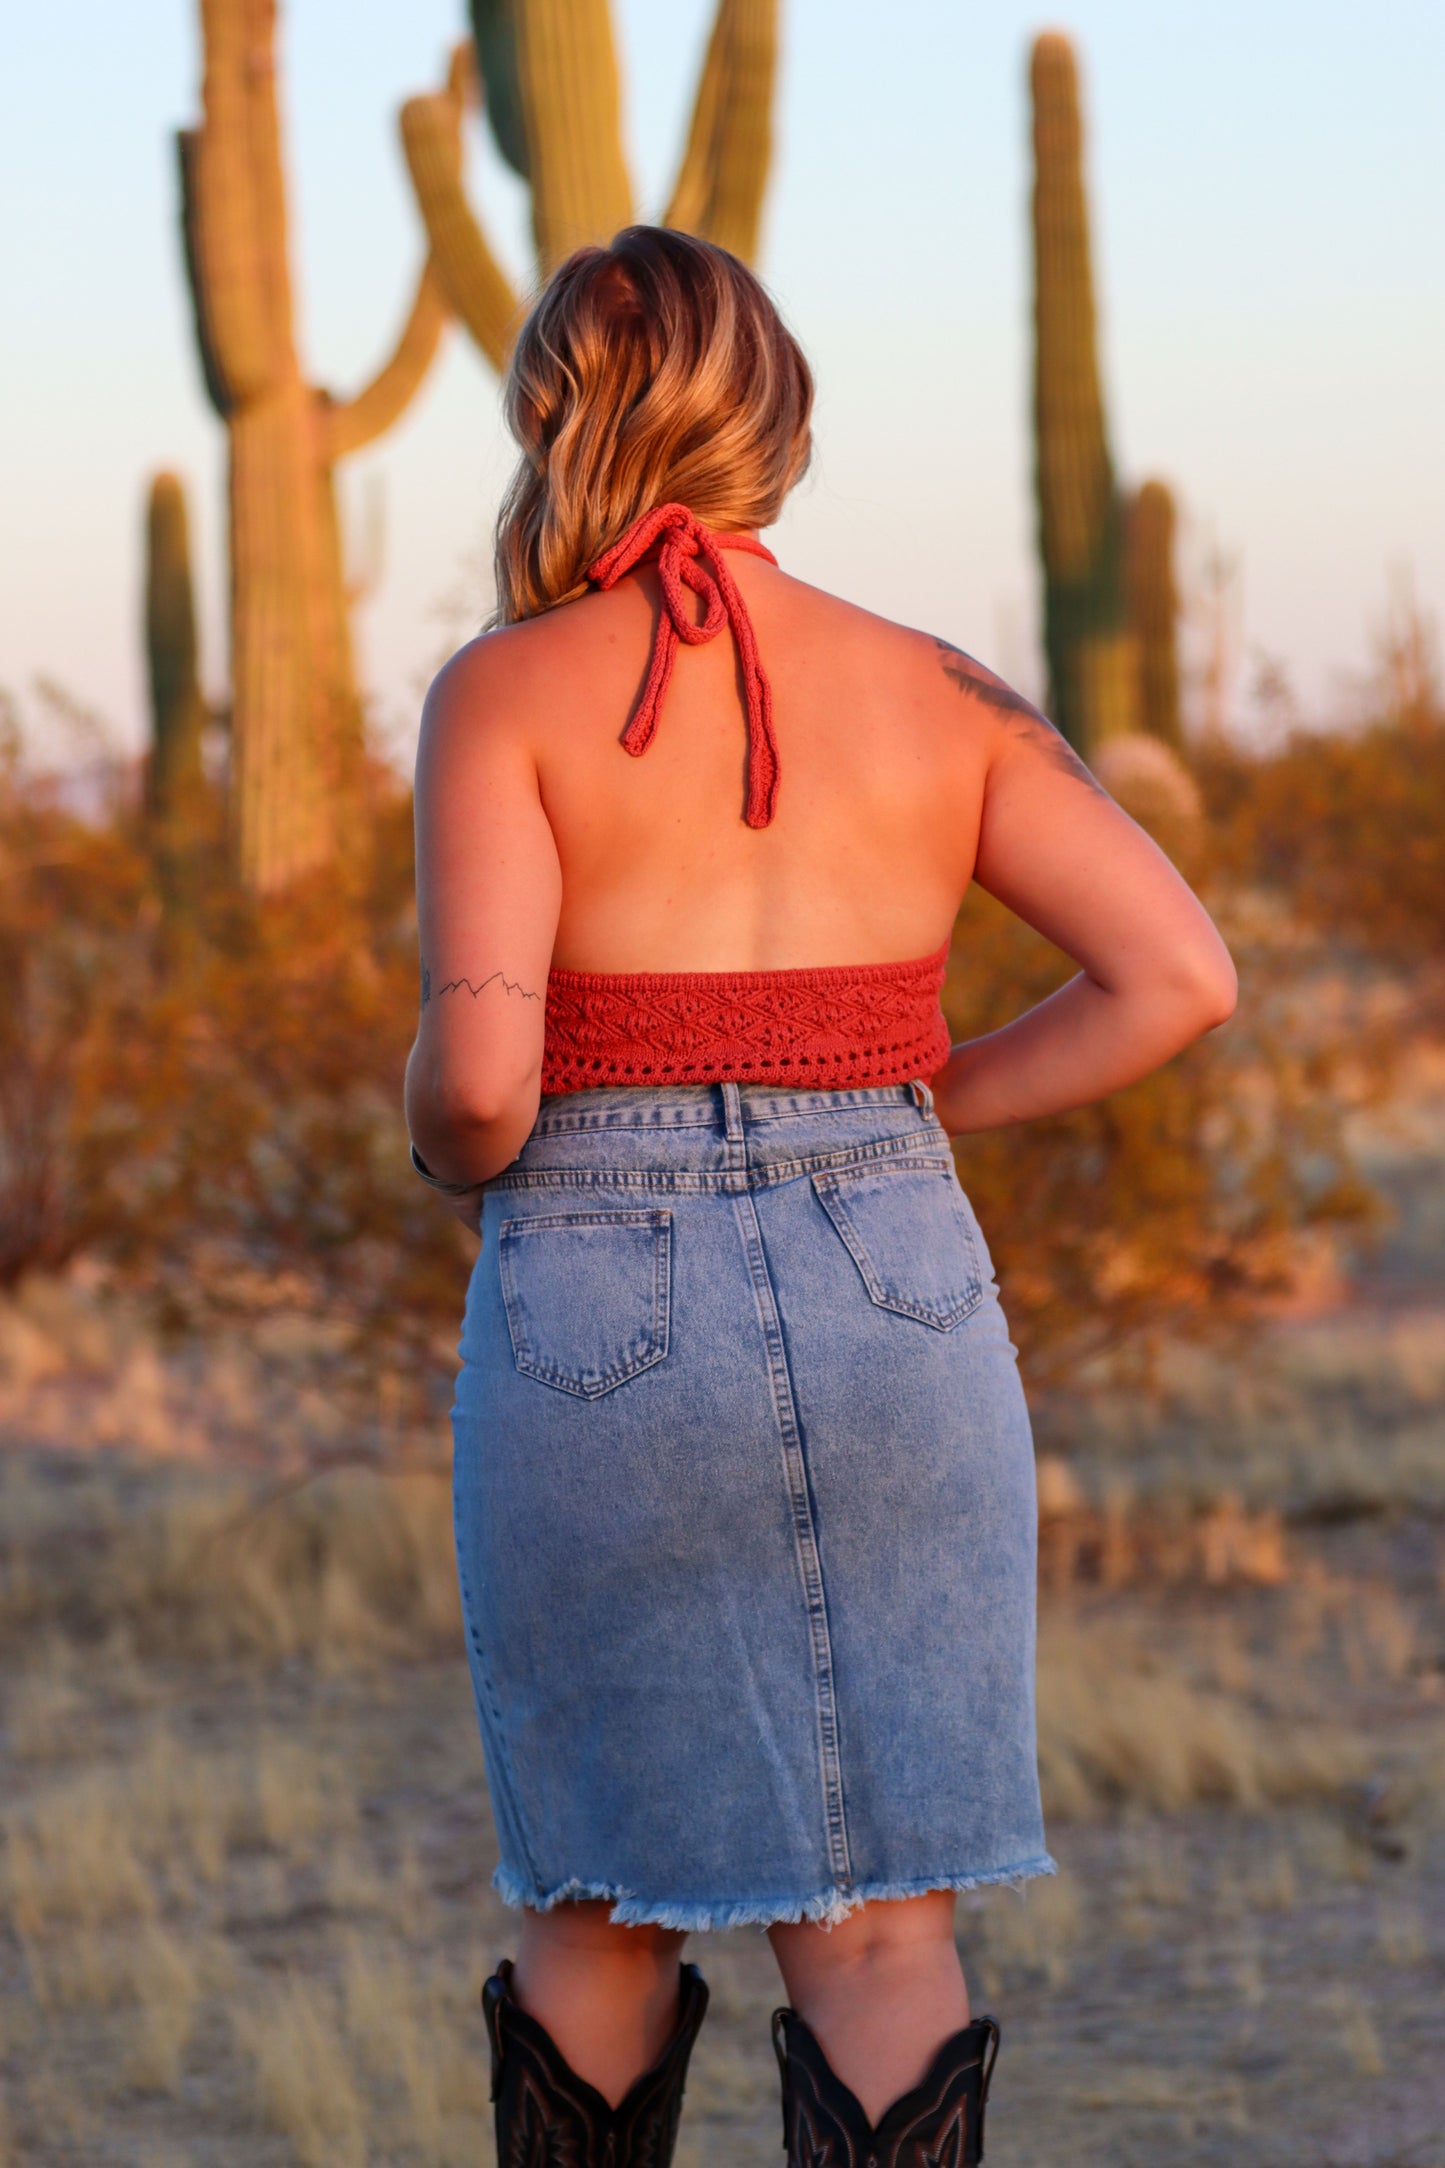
(1021, 716)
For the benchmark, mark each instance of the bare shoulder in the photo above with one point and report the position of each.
(481, 694)
(1016, 724)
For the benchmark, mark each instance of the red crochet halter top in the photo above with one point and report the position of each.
(828, 1026)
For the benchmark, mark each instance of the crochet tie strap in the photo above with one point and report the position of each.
(688, 554)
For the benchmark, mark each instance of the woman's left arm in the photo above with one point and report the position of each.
(489, 891)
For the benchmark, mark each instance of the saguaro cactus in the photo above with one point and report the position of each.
(1093, 661)
(178, 711)
(180, 805)
(1154, 609)
(550, 86)
(296, 712)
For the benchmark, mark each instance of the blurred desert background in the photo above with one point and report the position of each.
(1156, 448)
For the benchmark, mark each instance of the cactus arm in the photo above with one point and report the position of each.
(177, 709)
(352, 423)
(472, 280)
(218, 385)
(1154, 607)
(692, 190)
(1092, 678)
(235, 214)
(1075, 477)
(571, 110)
(723, 176)
(494, 29)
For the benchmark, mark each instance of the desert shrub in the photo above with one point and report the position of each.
(214, 1111)
(77, 921)
(1173, 1206)
(1350, 824)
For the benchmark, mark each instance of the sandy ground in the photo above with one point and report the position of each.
(245, 1844)
(248, 1911)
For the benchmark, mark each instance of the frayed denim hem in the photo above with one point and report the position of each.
(827, 1908)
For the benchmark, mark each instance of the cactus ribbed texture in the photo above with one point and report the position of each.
(176, 794)
(296, 713)
(724, 173)
(479, 291)
(1154, 609)
(494, 29)
(1093, 665)
(550, 86)
(572, 115)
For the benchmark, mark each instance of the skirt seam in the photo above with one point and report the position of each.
(494, 1734)
(805, 1539)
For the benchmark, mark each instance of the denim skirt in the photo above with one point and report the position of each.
(745, 1518)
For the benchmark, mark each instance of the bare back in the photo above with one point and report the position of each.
(906, 770)
(878, 806)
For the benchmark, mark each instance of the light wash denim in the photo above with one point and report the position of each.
(745, 1518)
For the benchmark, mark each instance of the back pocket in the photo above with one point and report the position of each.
(587, 1295)
(911, 1233)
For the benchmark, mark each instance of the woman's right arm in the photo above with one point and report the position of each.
(1154, 974)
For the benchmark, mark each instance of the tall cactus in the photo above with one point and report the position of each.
(1154, 609)
(179, 803)
(295, 788)
(1092, 657)
(178, 711)
(550, 85)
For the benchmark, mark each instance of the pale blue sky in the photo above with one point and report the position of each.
(1268, 194)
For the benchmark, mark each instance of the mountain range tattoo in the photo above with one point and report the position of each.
(509, 986)
(1020, 714)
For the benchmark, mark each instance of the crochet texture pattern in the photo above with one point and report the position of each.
(822, 1029)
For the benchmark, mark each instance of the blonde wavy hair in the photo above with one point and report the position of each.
(655, 371)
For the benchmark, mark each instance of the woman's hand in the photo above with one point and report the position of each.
(1055, 848)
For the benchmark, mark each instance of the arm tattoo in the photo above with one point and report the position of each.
(1023, 719)
(509, 986)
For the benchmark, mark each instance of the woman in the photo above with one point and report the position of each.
(743, 1482)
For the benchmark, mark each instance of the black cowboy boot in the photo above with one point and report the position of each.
(938, 2125)
(548, 2117)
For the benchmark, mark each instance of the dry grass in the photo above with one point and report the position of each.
(410, 2034)
(243, 1847)
(120, 1843)
(46, 1706)
(1402, 1935)
(1121, 1724)
(352, 1566)
(1356, 2031)
(71, 1861)
(1030, 1933)
(304, 2077)
(166, 1990)
(387, 2067)
(303, 1799)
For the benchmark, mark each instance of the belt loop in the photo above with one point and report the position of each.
(732, 1112)
(922, 1092)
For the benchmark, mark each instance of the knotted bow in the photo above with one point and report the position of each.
(690, 555)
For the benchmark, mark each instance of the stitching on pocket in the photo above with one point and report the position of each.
(647, 1346)
(832, 1193)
